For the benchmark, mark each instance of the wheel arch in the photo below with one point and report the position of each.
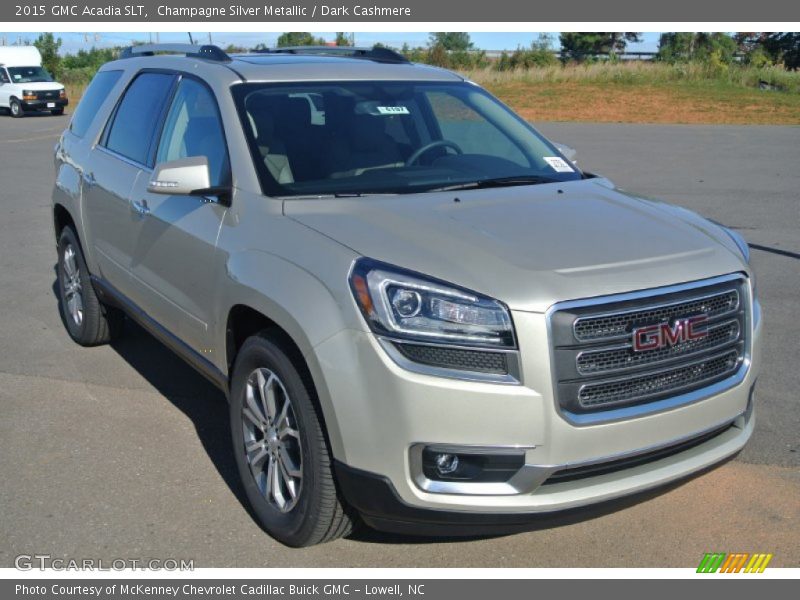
(243, 320)
(61, 219)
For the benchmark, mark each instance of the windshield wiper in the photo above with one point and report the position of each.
(497, 182)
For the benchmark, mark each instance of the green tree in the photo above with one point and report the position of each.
(713, 47)
(234, 49)
(453, 41)
(538, 54)
(91, 59)
(784, 47)
(48, 47)
(580, 46)
(342, 39)
(299, 38)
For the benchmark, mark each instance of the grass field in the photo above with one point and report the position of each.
(649, 93)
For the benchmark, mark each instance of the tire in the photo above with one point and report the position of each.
(88, 321)
(16, 109)
(57, 112)
(315, 513)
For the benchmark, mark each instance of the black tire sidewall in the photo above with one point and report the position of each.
(295, 527)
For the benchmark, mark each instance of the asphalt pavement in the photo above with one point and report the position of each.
(123, 452)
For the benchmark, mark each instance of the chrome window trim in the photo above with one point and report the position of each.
(671, 403)
(513, 377)
(123, 158)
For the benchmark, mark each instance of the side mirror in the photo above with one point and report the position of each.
(185, 177)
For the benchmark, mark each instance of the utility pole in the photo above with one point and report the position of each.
(209, 38)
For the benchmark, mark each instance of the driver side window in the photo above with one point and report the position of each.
(474, 134)
(193, 128)
(4, 76)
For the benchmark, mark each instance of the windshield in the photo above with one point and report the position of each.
(28, 74)
(389, 137)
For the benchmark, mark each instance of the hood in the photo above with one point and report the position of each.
(529, 246)
(40, 86)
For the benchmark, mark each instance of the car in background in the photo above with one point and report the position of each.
(25, 86)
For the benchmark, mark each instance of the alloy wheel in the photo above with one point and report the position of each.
(71, 282)
(272, 440)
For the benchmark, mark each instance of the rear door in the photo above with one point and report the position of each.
(114, 166)
(174, 260)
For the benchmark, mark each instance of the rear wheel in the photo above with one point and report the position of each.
(16, 109)
(280, 448)
(89, 322)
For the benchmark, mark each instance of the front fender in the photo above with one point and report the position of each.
(298, 302)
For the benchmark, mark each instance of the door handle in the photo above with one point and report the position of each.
(140, 207)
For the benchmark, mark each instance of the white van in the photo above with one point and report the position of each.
(24, 84)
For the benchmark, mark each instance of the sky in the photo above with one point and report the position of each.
(72, 42)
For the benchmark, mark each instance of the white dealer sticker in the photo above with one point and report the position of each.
(558, 164)
(393, 110)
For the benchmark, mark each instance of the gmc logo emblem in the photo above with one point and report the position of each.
(653, 337)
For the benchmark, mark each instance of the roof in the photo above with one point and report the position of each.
(295, 64)
(295, 67)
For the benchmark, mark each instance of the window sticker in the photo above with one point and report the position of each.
(558, 164)
(393, 110)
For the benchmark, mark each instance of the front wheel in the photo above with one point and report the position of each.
(280, 448)
(16, 109)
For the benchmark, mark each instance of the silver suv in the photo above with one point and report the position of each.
(423, 314)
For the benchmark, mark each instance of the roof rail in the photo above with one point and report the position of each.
(206, 51)
(376, 53)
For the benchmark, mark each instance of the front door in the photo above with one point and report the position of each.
(174, 259)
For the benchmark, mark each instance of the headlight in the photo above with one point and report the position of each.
(406, 305)
(28, 95)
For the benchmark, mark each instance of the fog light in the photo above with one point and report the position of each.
(446, 463)
(451, 464)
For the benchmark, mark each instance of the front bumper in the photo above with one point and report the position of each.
(41, 105)
(382, 412)
(381, 507)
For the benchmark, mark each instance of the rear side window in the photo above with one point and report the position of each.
(92, 99)
(138, 116)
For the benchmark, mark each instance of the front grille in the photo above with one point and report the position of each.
(456, 358)
(48, 94)
(596, 368)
